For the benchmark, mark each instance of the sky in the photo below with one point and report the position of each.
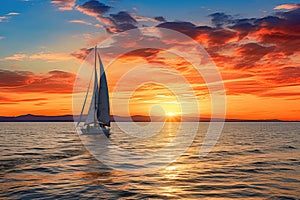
(254, 45)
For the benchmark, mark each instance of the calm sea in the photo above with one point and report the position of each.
(250, 161)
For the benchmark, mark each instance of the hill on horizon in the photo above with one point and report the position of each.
(135, 118)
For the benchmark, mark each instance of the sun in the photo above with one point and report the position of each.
(171, 114)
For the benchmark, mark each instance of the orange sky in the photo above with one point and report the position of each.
(258, 60)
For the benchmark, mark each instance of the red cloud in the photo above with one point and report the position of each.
(4, 100)
(248, 54)
(254, 55)
(23, 81)
(15, 78)
(289, 75)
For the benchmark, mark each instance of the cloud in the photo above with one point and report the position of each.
(280, 30)
(107, 21)
(254, 55)
(93, 8)
(1, 37)
(25, 81)
(4, 18)
(13, 13)
(114, 22)
(122, 21)
(263, 51)
(81, 53)
(15, 78)
(81, 22)
(64, 4)
(250, 53)
(160, 19)
(5, 100)
(50, 57)
(287, 75)
(187, 28)
(17, 57)
(140, 19)
(287, 6)
(97, 10)
(7, 17)
(147, 53)
(123, 17)
(120, 28)
(220, 19)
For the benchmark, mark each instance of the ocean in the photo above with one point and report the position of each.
(251, 160)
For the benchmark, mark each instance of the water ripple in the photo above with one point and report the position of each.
(251, 160)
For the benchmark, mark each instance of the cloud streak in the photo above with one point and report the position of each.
(55, 81)
(49, 57)
(64, 4)
(287, 6)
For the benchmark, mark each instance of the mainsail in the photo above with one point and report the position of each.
(103, 111)
(91, 117)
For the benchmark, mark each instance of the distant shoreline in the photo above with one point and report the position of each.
(136, 118)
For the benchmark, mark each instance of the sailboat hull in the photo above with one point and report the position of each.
(94, 130)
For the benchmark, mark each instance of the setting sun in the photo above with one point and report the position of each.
(170, 114)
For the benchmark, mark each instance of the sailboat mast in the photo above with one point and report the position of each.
(96, 84)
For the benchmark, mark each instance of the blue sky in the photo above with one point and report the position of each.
(40, 23)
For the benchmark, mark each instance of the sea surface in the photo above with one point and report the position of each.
(249, 161)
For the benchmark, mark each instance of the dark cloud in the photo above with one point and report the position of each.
(123, 17)
(187, 28)
(94, 8)
(286, 44)
(220, 19)
(220, 36)
(243, 28)
(248, 54)
(160, 19)
(121, 28)
(290, 22)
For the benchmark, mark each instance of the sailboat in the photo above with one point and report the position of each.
(98, 118)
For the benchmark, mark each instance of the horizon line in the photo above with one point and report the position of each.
(176, 118)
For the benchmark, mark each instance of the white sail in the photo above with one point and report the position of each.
(91, 117)
(103, 98)
(84, 102)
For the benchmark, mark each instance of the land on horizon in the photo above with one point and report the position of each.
(135, 118)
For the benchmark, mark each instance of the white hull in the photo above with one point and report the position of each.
(93, 130)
